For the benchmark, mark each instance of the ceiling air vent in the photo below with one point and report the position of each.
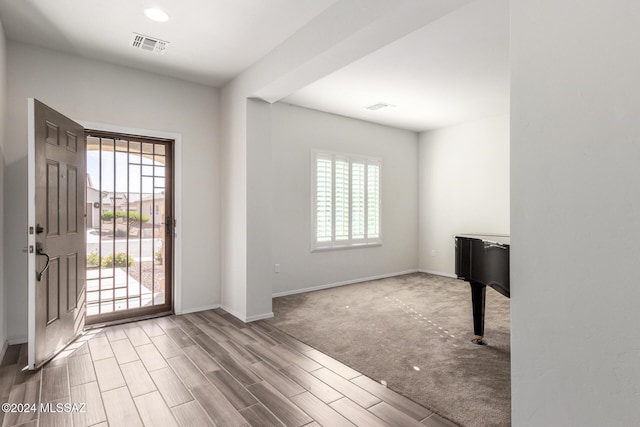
(149, 44)
(379, 106)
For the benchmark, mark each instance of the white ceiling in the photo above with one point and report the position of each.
(211, 41)
(452, 70)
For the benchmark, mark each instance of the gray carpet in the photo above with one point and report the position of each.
(388, 329)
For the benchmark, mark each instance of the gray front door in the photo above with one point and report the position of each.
(57, 263)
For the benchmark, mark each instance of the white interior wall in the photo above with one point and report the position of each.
(575, 213)
(234, 199)
(93, 91)
(259, 210)
(295, 132)
(463, 187)
(3, 94)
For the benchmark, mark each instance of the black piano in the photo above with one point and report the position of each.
(482, 260)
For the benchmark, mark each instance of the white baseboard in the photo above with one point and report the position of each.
(17, 341)
(259, 317)
(196, 309)
(439, 273)
(346, 282)
(234, 313)
(247, 319)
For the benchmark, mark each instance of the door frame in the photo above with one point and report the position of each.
(177, 195)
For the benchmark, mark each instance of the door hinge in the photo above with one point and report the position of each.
(168, 226)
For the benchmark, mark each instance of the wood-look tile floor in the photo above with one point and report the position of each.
(199, 369)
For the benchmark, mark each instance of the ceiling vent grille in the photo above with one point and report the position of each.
(379, 106)
(150, 44)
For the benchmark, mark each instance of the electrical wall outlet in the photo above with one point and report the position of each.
(276, 268)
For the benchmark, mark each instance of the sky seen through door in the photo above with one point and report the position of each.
(123, 182)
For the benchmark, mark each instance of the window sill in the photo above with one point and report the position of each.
(338, 248)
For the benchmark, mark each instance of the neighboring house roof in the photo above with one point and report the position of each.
(109, 199)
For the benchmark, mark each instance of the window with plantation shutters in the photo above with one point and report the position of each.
(345, 193)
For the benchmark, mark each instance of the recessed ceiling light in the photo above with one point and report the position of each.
(156, 14)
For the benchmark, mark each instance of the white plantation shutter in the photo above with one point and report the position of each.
(373, 200)
(357, 200)
(342, 199)
(323, 198)
(346, 200)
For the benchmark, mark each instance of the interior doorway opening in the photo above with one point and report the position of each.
(130, 225)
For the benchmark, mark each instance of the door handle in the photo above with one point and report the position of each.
(41, 251)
